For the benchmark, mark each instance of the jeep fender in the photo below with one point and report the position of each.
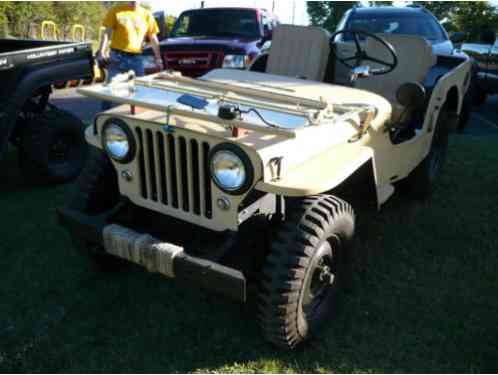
(31, 82)
(320, 174)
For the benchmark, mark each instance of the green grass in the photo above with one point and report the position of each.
(424, 297)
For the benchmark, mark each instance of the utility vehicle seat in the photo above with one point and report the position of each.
(415, 58)
(299, 52)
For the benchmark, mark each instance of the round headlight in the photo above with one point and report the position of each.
(231, 169)
(228, 170)
(118, 140)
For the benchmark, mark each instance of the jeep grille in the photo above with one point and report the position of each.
(174, 172)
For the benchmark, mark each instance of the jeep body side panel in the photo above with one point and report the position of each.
(395, 162)
(23, 72)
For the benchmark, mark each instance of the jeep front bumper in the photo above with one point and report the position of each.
(156, 256)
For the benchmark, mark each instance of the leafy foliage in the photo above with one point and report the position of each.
(327, 14)
(471, 17)
(19, 19)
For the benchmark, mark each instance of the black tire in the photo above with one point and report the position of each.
(316, 235)
(420, 183)
(52, 147)
(95, 192)
(463, 119)
(480, 97)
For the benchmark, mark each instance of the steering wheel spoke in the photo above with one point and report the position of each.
(378, 61)
(361, 55)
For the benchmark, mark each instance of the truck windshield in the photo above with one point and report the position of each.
(408, 24)
(217, 23)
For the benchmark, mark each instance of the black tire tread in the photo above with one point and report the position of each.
(35, 134)
(286, 265)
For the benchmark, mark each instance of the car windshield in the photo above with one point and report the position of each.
(408, 24)
(217, 23)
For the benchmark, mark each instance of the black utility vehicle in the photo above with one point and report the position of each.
(50, 141)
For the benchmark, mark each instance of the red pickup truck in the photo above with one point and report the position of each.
(208, 38)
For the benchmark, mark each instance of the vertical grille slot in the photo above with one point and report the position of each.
(207, 181)
(194, 169)
(150, 160)
(141, 163)
(172, 171)
(162, 168)
(184, 174)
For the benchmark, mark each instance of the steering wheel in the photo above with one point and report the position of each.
(361, 54)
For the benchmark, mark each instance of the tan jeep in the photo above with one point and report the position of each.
(243, 176)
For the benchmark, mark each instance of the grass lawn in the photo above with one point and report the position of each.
(424, 297)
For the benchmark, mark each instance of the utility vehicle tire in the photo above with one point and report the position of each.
(420, 183)
(95, 192)
(480, 97)
(308, 264)
(464, 118)
(52, 147)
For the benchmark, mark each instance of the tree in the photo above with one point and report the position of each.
(17, 18)
(440, 9)
(380, 3)
(327, 14)
(473, 17)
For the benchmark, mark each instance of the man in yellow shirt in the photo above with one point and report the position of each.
(127, 26)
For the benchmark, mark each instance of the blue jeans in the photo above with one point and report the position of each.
(122, 63)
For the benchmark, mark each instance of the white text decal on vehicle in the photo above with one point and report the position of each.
(59, 52)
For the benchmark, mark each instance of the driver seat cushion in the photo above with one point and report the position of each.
(299, 52)
(415, 59)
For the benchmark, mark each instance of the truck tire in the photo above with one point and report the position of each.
(464, 118)
(308, 263)
(480, 97)
(420, 183)
(52, 147)
(95, 192)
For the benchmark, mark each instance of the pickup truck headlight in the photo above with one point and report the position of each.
(231, 169)
(236, 61)
(118, 140)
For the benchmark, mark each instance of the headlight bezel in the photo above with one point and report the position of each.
(132, 146)
(237, 61)
(245, 160)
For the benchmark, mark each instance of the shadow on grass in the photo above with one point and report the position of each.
(423, 297)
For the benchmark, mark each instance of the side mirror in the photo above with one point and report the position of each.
(267, 34)
(411, 95)
(458, 37)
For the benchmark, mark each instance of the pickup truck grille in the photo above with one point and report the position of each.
(174, 172)
(193, 63)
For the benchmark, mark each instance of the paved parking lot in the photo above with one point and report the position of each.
(483, 120)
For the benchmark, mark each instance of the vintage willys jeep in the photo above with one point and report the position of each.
(243, 176)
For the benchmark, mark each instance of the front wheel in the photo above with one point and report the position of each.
(306, 267)
(52, 147)
(95, 192)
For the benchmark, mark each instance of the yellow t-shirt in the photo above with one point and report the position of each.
(130, 26)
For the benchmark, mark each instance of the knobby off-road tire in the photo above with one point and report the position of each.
(420, 183)
(52, 147)
(307, 265)
(95, 192)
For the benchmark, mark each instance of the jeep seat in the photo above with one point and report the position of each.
(299, 52)
(415, 59)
